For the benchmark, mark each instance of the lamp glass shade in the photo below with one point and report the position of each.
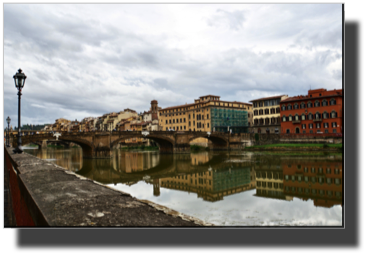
(19, 79)
(8, 120)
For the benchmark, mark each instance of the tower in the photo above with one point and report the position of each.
(154, 110)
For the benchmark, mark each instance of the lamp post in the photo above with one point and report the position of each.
(8, 121)
(19, 82)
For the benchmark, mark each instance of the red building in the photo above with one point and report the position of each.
(319, 112)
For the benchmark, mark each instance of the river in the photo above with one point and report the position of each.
(224, 188)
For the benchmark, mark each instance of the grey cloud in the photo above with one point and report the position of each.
(233, 20)
(161, 83)
(77, 65)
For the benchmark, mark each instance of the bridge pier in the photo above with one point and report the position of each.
(44, 145)
(182, 148)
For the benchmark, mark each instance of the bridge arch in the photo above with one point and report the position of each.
(218, 142)
(166, 144)
(87, 146)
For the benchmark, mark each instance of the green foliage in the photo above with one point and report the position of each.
(195, 148)
(256, 137)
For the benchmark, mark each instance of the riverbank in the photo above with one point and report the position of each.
(297, 148)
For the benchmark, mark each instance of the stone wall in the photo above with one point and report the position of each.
(265, 139)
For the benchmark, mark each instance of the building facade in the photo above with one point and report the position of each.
(318, 112)
(208, 114)
(266, 114)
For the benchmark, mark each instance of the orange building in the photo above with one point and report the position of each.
(321, 111)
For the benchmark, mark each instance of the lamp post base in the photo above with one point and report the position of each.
(18, 150)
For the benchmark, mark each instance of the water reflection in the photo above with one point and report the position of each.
(70, 159)
(320, 181)
(244, 188)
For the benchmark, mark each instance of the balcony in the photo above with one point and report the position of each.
(296, 121)
(317, 120)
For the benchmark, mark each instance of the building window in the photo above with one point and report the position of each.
(332, 101)
(326, 131)
(334, 114)
(272, 111)
(261, 112)
(317, 115)
(256, 112)
(296, 106)
(309, 104)
(326, 125)
(260, 104)
(290, 118)
(310, 116)
(304, 126)
(303, 117)
(283, 118)
(302, 105)
(324, 103)
(296, 117)
(255, 105)
(287, 131)
(208, 124)
(318, 126)
(310, 126)
(278, 110)
(266, 111)
(334, 124)
(289, 107)
(317, 103)
(334, 130)
(283, 108)
(325, 115)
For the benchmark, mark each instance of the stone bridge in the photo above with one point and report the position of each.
(100, 144)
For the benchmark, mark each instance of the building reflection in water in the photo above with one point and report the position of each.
(316, 180)
(70, 159)
(213, 184)
(129, 162)
(269, 181)
(320, 181)
(213, 176)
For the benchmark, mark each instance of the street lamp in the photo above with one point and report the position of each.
(19, 82)
(8, 121)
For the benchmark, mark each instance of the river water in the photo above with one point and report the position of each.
(223, 188)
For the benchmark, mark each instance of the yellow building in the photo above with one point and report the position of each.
(266, 114)
(208, 113)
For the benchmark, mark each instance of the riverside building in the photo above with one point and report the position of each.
(207, 114)
(266, 114)
(318, 112)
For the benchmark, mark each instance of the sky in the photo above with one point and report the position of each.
(85, 60)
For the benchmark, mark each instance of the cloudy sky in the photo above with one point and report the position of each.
(86, 60)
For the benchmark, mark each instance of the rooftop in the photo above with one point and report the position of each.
(267, 98)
